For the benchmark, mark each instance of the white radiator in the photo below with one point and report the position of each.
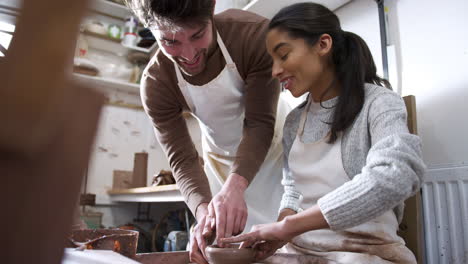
(445, 205)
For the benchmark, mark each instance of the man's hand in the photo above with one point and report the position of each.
(198, 240)
(227, 211)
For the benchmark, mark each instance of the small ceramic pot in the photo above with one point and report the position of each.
(121, 241)
(229, 255)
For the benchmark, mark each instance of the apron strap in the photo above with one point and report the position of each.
(303, 120)
(180, 78)
(226, 54)
(183, 88)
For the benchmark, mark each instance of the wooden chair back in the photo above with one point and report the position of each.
(412, 228)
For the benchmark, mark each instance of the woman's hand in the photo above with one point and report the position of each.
(266, 238)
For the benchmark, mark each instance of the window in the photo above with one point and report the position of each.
(6, 34)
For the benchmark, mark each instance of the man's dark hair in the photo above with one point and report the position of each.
(172, 13)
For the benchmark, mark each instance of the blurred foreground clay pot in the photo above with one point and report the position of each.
(229, 255)
(121, 241)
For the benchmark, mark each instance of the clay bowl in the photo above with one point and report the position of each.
(121, 241)
(229, 255)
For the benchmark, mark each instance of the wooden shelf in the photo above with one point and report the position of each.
(9, 11)
(115, 42)
(101, 36)
(149, 189)
(106, 84)
(163, 193)
(125, 105)
(145, 50)
(119, 12)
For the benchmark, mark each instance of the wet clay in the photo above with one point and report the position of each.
(229, 255)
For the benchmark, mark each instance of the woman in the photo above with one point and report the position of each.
(350, 161)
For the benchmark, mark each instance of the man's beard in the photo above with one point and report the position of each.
(199, 68)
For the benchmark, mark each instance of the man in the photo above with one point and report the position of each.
(216, 67)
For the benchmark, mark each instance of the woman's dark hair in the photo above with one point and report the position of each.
(172, 13)
(351, 57)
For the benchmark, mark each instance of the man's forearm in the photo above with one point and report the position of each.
(195, 195)
(174, 138)
(237, 182)
(201, 211)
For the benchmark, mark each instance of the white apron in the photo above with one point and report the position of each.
(219, 107)
(318, 169)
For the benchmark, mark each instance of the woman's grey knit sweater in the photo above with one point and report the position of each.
(382, 159)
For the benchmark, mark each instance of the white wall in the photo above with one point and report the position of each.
(435, 69)
(122, 132)
(361, 17)
(431, 46)
(222, 5)
(434, 66)
(269, 8)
